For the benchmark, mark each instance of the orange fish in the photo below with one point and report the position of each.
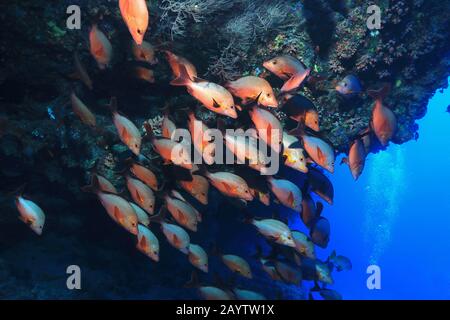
(117, 207)
(104, 184)
(287, 193)
(31, 214)
(356, 158)
(141, 194)
(170, 151)
(176, 62)
(198, 187)
(144, 74)
(253, 88)
(129, 134)
(144, 52)
(147, 243)
(201, 139)
(290, 69)
(182, 212)
(384, 122)
(101, 48)
(213, 96)
(80, 72)
(135, 15)
(168, 127)
(198, 257)
(230, 185)
(237, 264)
(268, 126)
(145, 175)
(82, 111)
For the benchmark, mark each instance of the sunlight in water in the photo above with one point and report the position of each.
(386, 176)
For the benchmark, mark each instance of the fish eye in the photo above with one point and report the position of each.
(139, 31)
(274, 62)
(268, 95)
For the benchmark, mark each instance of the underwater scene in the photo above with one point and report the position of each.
(224, 150)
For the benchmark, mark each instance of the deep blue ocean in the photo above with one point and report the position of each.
(397, 215)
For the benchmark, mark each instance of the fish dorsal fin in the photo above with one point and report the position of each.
(117, 215)
(197, 79)
(257, 97)
(215, 104)
(291, 198)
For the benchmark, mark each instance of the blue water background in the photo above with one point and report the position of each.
(397, 215)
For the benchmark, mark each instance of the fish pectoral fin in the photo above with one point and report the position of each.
(124, 134)
(215, 104)
(176, 240)
(27, 221)
(320, 155)
(288, 75)
(227, 187)
(138, 197)
(143, 243)
(181, 216)
(291, 199)
(117, 215)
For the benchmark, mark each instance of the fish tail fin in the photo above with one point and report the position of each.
(299, 131)
(316, 287)
(18, 192)
(161, 216)
(183, 79)
(202, 170)
(94, 186)
(332, 255)
(113, 104)
(193, 281)
(319, 208)
(381, 93)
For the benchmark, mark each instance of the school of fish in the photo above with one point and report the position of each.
(152, 201)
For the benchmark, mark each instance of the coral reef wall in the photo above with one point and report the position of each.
(44, 145)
